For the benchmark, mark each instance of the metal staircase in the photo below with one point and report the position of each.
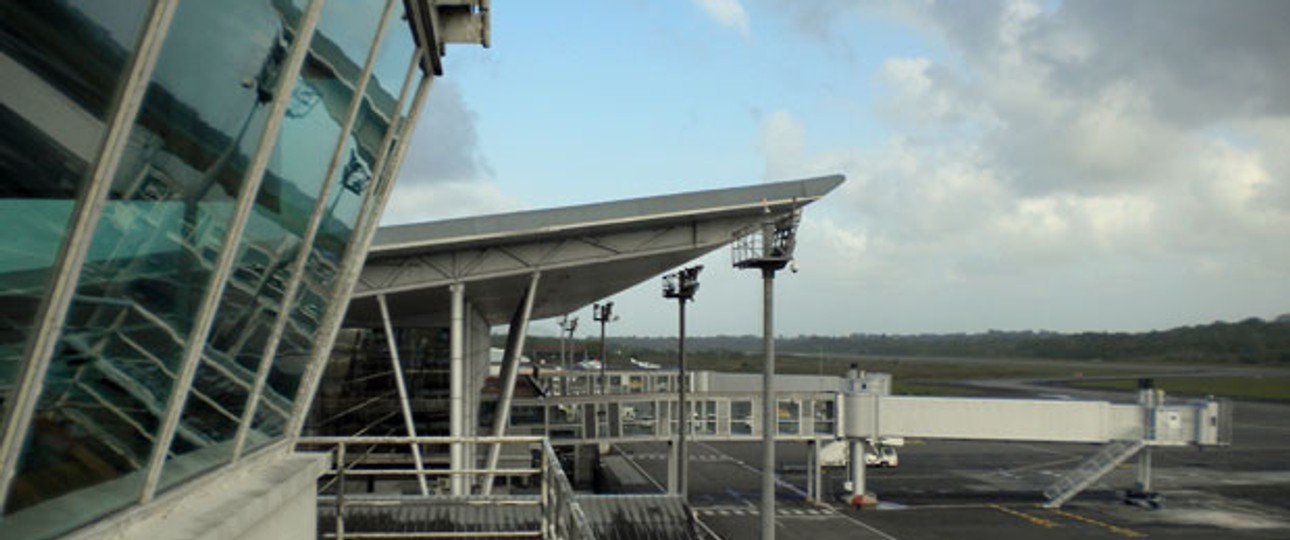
(1073, 482)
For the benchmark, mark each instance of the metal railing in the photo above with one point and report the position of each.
(1100, 463)
(551, 513)
(562, 516)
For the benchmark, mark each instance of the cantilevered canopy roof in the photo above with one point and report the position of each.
(581, 253)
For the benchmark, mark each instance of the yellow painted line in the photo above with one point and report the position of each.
(1034, 520)
(1127, 533)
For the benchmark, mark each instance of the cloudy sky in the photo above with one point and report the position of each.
(1011, 165)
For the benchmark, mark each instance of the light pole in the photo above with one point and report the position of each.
(769, 250)
(682, 286)
(602, 313)
(567, 327)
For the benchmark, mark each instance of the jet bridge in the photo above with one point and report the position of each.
(638, 406)
(1124, 430)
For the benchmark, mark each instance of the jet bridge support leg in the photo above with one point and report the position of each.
(812, 461)
(1142, 493)
(856, 470)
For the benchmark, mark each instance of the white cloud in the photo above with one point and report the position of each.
(416, 202)
(727, 13)
(1074, 166)
(445, 146)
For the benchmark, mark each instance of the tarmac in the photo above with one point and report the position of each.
(993, 490)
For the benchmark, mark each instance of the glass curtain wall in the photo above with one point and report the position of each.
(152, 256)
(150, 267)
(62, 63)
(275, 235)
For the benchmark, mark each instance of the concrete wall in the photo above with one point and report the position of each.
(270, 497)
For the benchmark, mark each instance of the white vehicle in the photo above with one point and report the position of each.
(881, 456)
(837, 454)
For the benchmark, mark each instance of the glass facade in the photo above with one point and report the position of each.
(194, 187)
(62, 63)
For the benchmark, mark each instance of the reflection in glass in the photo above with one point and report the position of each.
(273, 240)
(61, 63)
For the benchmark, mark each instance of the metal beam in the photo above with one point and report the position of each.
(515, 337)
(21, 405)
(408, 423)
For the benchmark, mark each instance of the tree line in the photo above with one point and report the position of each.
(1251, 341)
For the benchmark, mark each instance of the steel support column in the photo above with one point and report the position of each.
(1144, 470)
(408, 423)
(682, 454)
(812, 462)
(457, 385)
(856, 459)
(768, 406)
(515, 337)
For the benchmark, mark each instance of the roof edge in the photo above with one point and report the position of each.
(400, 237)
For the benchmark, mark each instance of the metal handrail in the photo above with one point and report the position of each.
(560, 514)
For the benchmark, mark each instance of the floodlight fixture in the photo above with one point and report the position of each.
(603, 313)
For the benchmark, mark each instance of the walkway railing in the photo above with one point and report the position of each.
(350, 508)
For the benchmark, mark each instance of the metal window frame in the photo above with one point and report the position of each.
(352, 265)
(228, 252)
(297, 269)
(62, 288)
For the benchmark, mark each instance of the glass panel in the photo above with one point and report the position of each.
(741, 418)
(638, 418)
(825, 417)
(789, 412)
(154, 248)
(391, 63)
(706, 417)
(61, 62)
